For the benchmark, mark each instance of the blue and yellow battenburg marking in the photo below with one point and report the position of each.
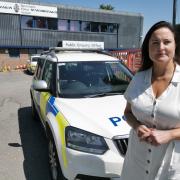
(47, 104)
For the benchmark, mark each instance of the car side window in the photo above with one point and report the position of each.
(38, 71)
(47, 73)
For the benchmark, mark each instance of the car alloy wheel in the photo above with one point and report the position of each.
(56, 172)
(53, 160)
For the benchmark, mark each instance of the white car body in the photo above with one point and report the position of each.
(93, 115)
(96, 116)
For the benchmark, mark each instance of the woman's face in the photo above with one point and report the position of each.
(162, 46)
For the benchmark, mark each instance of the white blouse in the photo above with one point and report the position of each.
(144, 161)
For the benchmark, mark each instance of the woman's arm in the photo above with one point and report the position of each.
(142, 131)
(159, 137)
(153, 136)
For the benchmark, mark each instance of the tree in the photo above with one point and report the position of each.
(106, 7)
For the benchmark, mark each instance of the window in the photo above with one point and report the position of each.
(74, 26)
(112, 28)
(66, 25)
(47, 74)
(14, 53)
(85, 26)
(83, 78)
(27, 22)
(94, 27)
(62, 25)
(40, 22)
(104, 27)
(40, 63)
(52, 23)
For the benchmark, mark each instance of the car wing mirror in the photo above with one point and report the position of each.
(40, 85)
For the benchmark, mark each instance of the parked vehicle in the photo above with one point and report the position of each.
(31, 63)
(78, 97)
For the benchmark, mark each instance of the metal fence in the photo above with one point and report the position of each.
(130, 57)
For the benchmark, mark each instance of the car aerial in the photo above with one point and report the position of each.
(78, 96)
(31, 63)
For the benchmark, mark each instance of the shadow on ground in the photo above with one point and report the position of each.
(34, 145)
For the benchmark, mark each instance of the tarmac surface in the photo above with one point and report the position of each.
(23, 145)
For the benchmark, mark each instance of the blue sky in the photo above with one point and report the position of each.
(152, 10)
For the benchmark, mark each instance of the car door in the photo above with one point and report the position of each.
(37, 76)
(44, 96)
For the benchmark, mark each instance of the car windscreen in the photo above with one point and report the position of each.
(92, 79)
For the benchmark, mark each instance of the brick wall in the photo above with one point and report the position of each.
(12, 62)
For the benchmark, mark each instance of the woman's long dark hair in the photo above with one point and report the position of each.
(146, 61)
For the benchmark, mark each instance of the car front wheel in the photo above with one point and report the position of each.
(55, 169)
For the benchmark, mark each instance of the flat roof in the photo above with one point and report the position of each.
(81, 8)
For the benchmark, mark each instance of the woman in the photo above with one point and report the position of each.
(153, 110)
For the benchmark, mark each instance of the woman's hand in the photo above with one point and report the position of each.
(159, 137)
(153, 136)
(143, 132)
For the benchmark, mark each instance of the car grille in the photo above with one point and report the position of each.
(121, 144)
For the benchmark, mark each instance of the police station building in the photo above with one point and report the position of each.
(28, 27)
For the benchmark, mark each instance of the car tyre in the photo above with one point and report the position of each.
(55, 168)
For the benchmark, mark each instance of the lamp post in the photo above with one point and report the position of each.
(174, 13)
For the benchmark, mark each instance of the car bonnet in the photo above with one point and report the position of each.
(100, 115)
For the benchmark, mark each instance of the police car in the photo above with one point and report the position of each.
(78, 96)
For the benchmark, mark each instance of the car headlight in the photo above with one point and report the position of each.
(81, 140)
